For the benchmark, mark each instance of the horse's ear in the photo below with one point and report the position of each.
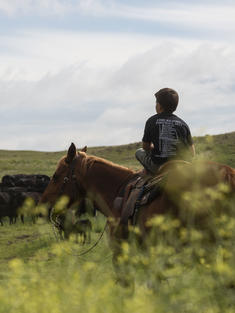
(71, 153)
(84, 149)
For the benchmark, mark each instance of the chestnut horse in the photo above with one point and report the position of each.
(79, 175)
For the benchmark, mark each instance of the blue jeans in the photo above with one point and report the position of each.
(144, 157)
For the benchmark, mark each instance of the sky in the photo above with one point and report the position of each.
(86, 71)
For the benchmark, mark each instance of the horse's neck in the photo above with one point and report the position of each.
(103, 182)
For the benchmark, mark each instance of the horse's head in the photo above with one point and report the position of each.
(65, 181)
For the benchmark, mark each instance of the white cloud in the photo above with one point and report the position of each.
(31, 55)
(90, 101)
(97, 88)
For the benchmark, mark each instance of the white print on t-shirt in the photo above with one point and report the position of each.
(168, 137)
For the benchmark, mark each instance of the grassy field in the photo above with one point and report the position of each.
(220, 148)
(183, 272)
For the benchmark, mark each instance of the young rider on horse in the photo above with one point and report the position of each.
(166, 136)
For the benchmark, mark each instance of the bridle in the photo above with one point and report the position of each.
(76, 186)
(77, 190)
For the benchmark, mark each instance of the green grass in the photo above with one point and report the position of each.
(184, 271)
(28, 162)
(220, 148)
(22, 240)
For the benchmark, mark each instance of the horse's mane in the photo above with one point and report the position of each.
(88, 161)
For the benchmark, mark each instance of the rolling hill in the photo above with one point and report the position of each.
(219, 148)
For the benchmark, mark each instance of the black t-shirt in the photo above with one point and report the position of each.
(170, 136)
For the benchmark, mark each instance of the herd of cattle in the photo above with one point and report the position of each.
(15, 189)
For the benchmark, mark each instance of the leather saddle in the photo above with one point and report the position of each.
(137, 193)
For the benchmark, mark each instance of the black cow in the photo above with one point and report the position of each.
(6, 208)
(36, 183)
(4, 205)
(20, 199)
(15, 189)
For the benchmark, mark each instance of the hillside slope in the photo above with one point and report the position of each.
(220, 148)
